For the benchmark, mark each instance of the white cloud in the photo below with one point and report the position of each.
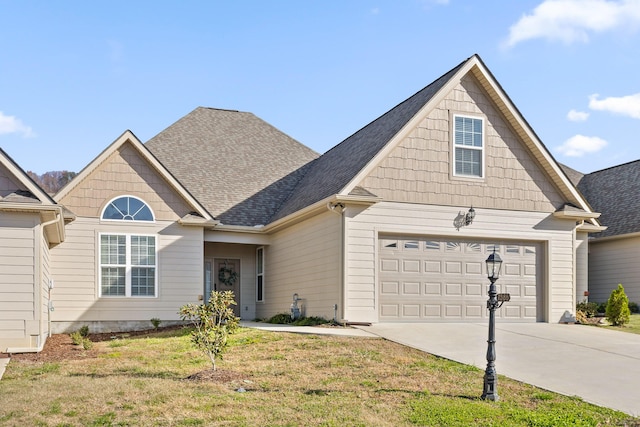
(577, 116)
(572, 21)
(11, 124)
(625, 105)
(578, 145)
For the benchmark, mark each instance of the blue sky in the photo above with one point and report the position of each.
(74, 75)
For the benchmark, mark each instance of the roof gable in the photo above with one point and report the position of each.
(126, 157)
(238, 166)
(342, 169)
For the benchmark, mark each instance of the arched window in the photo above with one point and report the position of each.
(127, 208)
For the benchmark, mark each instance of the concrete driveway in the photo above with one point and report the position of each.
(599, 365)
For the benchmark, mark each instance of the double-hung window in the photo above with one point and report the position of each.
(468, 146)
(127, 265)
(128, 262)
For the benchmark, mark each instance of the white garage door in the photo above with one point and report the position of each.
(435, 279)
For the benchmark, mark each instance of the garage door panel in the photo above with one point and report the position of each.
(411, 266)
(454, 289)
(411, 288)
(452, 267)
(390, 288)
(473, 289)
(474, 311)
(432, 267)
(433, 289)
(432, 311)
(426, 279)
(473, 267)
(390, 265)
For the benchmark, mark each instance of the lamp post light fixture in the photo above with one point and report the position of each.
(494, 263)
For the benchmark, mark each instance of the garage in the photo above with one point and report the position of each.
(425, 279)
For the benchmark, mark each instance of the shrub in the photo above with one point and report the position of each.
(213, 322)
(84, 331)
(280, 319)
(633, 307)
(602, 307)
(589, 309)
(617, 312)
(155, 322)
(76, 337)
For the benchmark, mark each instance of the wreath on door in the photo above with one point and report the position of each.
(227, 276)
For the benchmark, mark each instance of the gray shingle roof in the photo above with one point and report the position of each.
(574, 176)
(330, 173)
(236, 165)
(615, 193)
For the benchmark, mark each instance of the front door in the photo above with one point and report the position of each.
(226, 277)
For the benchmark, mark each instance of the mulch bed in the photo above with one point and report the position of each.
(59, 347)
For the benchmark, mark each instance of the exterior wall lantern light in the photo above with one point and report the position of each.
(469, 216)
(494, 263)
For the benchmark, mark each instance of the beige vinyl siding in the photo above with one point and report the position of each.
(582, 265)
(247, 256)
(304, 259)
(18, 273)
(612, 262)
(45, 279)
(419, 169)
(364, 226)
(125, 173)
(76, 270)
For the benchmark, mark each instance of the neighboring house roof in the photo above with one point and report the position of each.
(23, 194)
(615, 193)
(129, 138)
(237, 165)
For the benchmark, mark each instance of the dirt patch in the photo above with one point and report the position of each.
(219, 375)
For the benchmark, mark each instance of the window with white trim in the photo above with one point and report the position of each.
(128, 265)
(128, 208)
(260, 274)
(468, 146)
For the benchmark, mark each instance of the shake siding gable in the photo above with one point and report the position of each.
(76, 262)
(419, 168)
(125, 172)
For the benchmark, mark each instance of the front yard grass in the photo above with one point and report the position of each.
(633, 326)
(275, 379)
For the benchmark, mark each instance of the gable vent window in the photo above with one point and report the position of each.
(127, 208)
(468, 146)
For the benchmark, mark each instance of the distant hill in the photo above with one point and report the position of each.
(52, 181)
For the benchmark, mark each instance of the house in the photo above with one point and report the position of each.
(374, 230)
(614, 253)
(31, 225)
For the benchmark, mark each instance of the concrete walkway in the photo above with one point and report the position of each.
(4, 361)
(318, 330)
(599, 365)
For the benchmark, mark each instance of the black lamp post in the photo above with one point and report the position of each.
(490, 392)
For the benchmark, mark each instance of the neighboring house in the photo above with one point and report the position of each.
(371, 231)
(614, 253)
(31, 224)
